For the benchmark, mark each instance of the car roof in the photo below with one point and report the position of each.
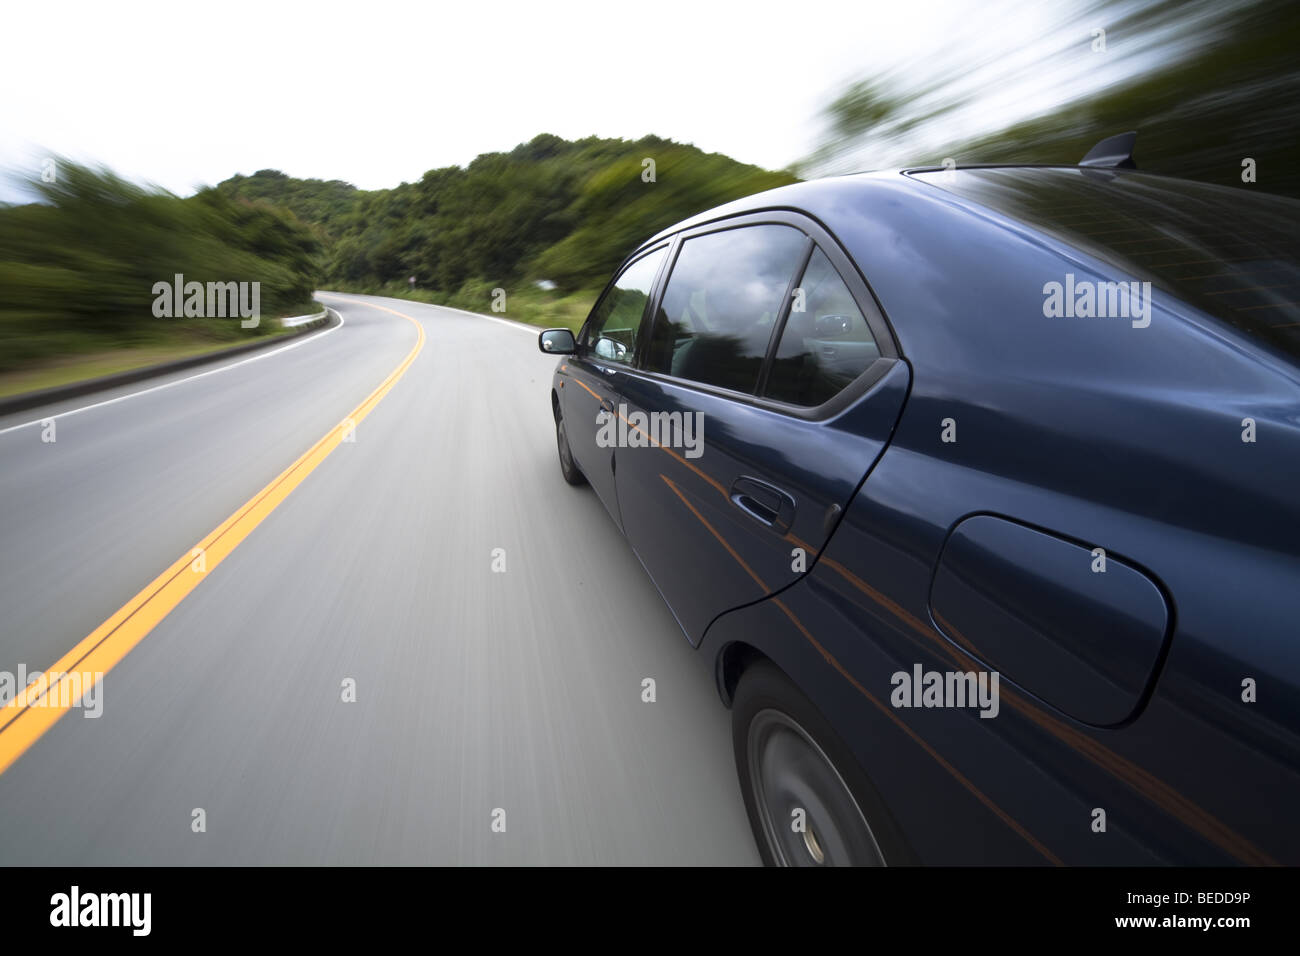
(1073, 211)
(820, 197)
(807, 196)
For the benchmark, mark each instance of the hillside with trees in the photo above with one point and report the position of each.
(78, 266)
(550, 209)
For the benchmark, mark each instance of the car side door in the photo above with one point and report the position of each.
(589, 379)
(768, 386)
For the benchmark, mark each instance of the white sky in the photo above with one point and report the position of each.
(375, 92)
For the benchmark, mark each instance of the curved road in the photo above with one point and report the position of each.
(476, 690)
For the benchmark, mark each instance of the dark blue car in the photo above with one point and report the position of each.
(977, 489)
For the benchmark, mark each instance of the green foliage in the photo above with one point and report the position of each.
(78, 267)
(1210, 83)
(311, 200)
(548, 209)
(1235, 94)
(616, 210)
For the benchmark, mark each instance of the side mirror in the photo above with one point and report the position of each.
(557, 342)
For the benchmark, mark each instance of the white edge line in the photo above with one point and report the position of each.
(189, 378)
(512, 323)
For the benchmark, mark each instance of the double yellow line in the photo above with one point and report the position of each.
(34, 711)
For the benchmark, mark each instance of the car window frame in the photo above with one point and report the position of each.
(818, 238)
(583, 351)
(779, 333)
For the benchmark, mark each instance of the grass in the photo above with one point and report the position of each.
(83, 362)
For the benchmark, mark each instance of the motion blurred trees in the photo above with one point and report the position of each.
(1206, 83)
(77, 268)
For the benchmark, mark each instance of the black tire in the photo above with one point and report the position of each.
(568, 467)
(789, 759)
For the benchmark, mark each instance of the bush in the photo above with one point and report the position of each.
(77, 268)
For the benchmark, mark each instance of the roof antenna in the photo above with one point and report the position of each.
(1114, 152)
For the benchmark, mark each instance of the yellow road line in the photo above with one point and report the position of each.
(25, 719)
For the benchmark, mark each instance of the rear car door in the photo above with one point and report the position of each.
(606, 346)
(768, 385)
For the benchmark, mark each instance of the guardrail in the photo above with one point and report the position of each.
(296, 320)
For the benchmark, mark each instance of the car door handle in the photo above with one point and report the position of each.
(766, 504)
(607, 406)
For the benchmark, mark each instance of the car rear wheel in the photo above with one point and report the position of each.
(568, 467)
(809, 802)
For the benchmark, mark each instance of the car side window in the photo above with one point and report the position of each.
(826, 342)
(611, 331)
(715, 319)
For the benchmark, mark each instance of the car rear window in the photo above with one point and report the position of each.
(1233, 253)
(826, 342)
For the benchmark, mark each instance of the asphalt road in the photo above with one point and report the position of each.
(476, 690)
